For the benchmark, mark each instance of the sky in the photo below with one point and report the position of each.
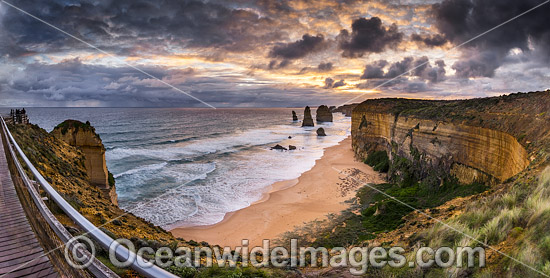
(267, 53)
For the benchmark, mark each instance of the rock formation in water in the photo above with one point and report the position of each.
(308, 120)
(291, 147)
(294, 117)
(278, 147)
(480, 140)
(84, 137)
(323, 114)
(321, 132)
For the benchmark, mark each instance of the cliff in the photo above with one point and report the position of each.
(483, 140)
(345, 109)
(64, 167)
(83, 136)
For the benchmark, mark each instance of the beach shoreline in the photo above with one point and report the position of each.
(288, 203)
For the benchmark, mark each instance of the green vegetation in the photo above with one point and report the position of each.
(111, 179)
(379, 161)
(518, 218)
(380, 208)
(65, 125)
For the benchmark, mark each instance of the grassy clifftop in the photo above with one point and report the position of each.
(521, 114)
(63, 166)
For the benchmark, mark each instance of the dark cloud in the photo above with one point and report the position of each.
(461, 20)
(117, 25)
(274, 64)
(429, 40)
(399, 68)
(331, 83)
(368, 36)
(478, 64)
(420, 67)
(298, 49)
(374, 70)
(325, 66)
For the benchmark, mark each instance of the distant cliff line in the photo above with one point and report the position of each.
(484, 140)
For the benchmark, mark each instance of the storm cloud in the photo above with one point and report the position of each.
(298, 49)
(408, 66)
(116, 25)
(461, 20)
(368, 36)
(429, 40)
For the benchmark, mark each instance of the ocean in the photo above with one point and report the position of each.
(191, 166)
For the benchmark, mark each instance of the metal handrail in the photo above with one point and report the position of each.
(138, 264)
(97, 268)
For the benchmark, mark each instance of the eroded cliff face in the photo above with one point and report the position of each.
(83, 136)
(468, 153)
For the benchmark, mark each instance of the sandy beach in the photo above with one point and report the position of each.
(316, 193)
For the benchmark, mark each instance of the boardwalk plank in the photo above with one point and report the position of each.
(20, 252)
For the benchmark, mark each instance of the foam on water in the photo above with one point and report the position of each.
(189, 167)
(245, 168)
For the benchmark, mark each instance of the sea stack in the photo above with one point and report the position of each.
(323, 114)
(294, 117)
(321, 132)
(308, 120)
(84, 137)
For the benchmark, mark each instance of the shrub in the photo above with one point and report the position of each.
(379, 161)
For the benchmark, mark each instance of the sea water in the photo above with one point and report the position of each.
(190, 167)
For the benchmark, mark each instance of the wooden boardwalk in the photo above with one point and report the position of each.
(20, 253)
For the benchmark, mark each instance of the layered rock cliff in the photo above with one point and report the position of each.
(470, 140)
(84, 137)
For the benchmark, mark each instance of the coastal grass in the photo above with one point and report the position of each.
(372, 212)
(517, 221)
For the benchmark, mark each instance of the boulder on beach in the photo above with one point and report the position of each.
(308, 120)
(279, 147)
(290, 147)
(321, 132)
(324, 114)
(294, 117)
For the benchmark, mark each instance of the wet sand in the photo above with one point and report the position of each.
(291, 203)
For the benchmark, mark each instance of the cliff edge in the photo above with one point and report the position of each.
(485, 140)
(83, 136)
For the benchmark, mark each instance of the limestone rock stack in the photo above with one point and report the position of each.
(294, 117)
(83, 136)
(308, 120)
(323, 114)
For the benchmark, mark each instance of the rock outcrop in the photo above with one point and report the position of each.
(323, 114)
(278, 147)
(321, 132)
(345, 109)
(294, 117)
(84, 137)
(444, 138)
(308, 120)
